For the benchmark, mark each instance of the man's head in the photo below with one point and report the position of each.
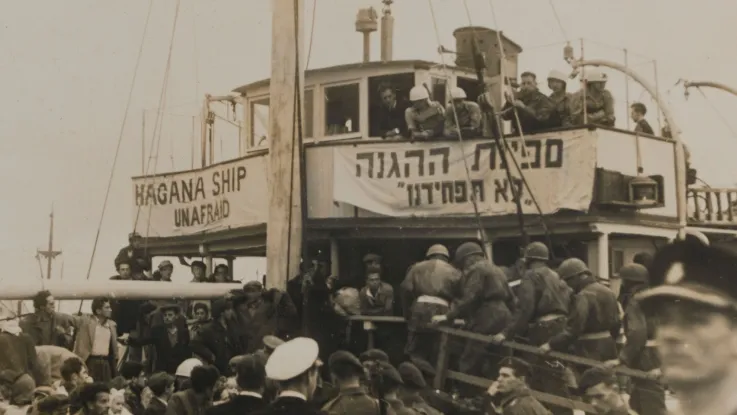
(514, 374)
(557, 81)
(74, 372)
(599, 387)
(388, 95)
(253, 291)
(161, 384)
(529, 82)
(135, 240)
(170, 312)
(166, 268)
(419, 97)
(638, 111)
(373, 281)
(133, 373)
(201, 312)
(124, 270)
(371, 261)
(204, 379)
(101, 308)
(43, 302)
(295, 366)
(536, 252)
(198, 270)
(345, 367)
(95, 398)
(693, 302)
(222, 273)
(467, 254)
(438, 251)
(250, 374)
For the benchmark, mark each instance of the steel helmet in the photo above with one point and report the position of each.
(537, 250)
(185, 368)
(594, 75)
(633, 272)
(572, 267)
(466, 249)
(558, 75)
(418, 93)
(438, 249)
(457, 93)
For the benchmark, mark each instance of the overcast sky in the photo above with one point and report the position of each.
(66, 68)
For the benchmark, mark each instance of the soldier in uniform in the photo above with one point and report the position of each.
(511, 390)
(532, 107)
(557, 82)
(599, 101)
(391, 381)
(411, 391)
(693, 298)
(294, 366)
(468, 114)
(427, 291)
(600, 388)
(594, 322)
(486, 304)
(543, 301)
(638, 352)
(346, 372)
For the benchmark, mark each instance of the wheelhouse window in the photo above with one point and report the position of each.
(342, 109)
(260, 123)
(388, 98)
(438, 90)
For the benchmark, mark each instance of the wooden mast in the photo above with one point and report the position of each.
(284, 226)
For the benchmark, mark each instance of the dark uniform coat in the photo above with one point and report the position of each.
(240, 405)
(168, 356)
(290, 406)
(644, 127)
(521, 402)
(534, 117)
(353, 401)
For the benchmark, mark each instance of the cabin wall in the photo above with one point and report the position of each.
(618, 152)
(622, 250)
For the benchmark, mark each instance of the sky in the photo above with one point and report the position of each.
(67, 69)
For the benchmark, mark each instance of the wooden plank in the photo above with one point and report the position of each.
(540, 396)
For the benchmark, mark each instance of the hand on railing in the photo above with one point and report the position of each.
(545, 347)
(439, 319)
(611, 364)
(498, 338)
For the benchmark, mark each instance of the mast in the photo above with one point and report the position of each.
(50, 254)
(284, 226)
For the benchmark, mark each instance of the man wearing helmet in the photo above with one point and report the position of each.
(426, 291)
(648, 396)
(485, 303)
(532, 107)
(467, 113)
(425, 119)
(557, 82)
(594, 322)
(542, 307)
(599, 101)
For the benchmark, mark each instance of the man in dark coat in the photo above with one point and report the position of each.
(346, 372)
(162, 387)
(220, 337)
(510, 394)
(638, 111)
(170, 341)
(533, 108)
(135, 255)
(251, 379)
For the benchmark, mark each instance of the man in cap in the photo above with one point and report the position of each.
(557, 82)
(599, 387)
(165, 269)
(294, 366)
(693, 298)
(427, 291)
(170, 341)
(392, 381)
(594, 322)
(510, 393)
(599, 102)
(484, 304)
(346, 372)
(134, 255)
(542, 308)
(648, 396)
(467, 113)
(411, 391)
(425, 118)
(532, 107)
(251, 379)
(270, 343)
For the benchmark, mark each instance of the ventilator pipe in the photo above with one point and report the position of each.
(680, 151)
(709, 84)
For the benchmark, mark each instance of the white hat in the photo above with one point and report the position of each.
(292, 358)
(458, 93)
(185, 368)
(418, 93)
(555, 74)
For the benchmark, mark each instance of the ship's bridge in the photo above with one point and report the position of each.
(579, 185)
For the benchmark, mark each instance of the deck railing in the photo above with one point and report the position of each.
(713, 206)
(443, 373)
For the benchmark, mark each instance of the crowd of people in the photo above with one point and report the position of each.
(262, 351)
(529, 110)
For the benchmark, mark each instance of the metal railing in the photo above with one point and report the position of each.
(443, 373)
(713, 206)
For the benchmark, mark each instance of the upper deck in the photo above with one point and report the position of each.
(359, 184)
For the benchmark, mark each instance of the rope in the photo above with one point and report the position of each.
(312, 33)
(473, 200)
(557, 18)
(719, 114)
(120, 140)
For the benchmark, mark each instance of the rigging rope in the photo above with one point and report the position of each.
(312, 34)
(473, 198)
(120, 140)
(557, 18)
(719, 114)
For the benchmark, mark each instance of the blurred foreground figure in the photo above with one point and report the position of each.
(693, 299)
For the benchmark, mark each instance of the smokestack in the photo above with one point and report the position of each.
(387, 31)
(366, 22)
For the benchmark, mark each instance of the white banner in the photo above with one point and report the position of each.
(425, 178)
(223, 196)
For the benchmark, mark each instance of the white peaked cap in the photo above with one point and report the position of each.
(292, 358)
(185, 368)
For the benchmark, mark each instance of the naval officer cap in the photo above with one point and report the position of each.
(691, 271)
(292, 359)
